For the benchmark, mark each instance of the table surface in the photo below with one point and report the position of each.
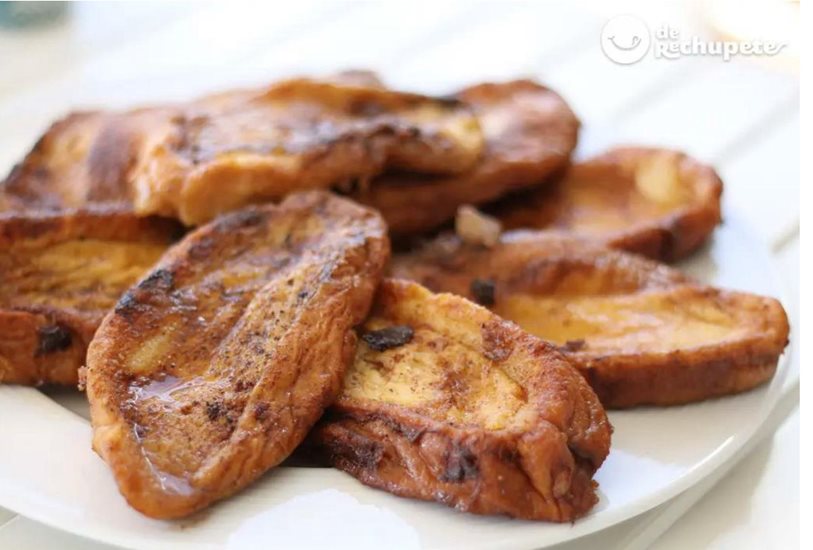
(740, 116)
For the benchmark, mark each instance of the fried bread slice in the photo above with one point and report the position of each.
(195, 160)
(642, 333)
(447, 402)
(59, 275)
(82, 162)
(231, 150)
(213, 368)
(656, 202)
(529, 133)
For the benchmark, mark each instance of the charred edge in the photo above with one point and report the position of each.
(52, 338)
(483, 291)
(388, 338)
(126, 305)
(160, 279)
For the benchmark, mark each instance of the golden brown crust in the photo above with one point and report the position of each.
(213, 368)
(471, 412)
(59, 275)
(231, 150)
(195, 160)
(82, 162)
(656, 202)
(640, 332)
(529, 132)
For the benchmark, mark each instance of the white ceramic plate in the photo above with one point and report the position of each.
(49, 473)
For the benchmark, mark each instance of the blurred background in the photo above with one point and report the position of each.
(741, 115)
(58, 57)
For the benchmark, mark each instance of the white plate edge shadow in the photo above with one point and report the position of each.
(32, 507)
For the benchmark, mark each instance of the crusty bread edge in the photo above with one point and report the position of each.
(542, 473)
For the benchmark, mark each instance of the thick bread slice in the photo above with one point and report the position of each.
(213, 368)
(59, 275)
(640, 332)
(659, 203)
(230, 150)
(83, 162)
(448, 402)
(195, 160)
(529, 132)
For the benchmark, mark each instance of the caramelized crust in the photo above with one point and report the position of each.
(659, 203)
(81, 163)
(640, 332)
(193, 161)
(469, 411)
(232, 150)
(213, 368)
(529, 133)
(59, 275)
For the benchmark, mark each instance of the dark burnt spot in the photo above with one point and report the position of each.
(260, 411)
(483, 291)
(126, 305)
(302, 295)
(496, 341)
(160, 279)
(52, 338)
(214, 410)
(357, 450)
(574, 345)
(461, 464)
(388, 338)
